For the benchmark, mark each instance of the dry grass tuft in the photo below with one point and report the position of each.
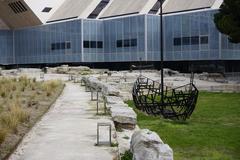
(3, 134)
(13, 117)
(50, 86)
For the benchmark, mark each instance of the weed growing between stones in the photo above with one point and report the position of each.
(127, 155)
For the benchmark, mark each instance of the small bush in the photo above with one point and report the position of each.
(19, 113)
(23, 88)
(14, 88)
(50, 87)
(13, 117)
(127, 155)
(24, 80)
(10, 122)
(3, 94)
(3, 134)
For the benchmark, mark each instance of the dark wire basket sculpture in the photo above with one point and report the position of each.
(177, 104)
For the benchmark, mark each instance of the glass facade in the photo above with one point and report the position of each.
(126, 30)
(187, 37)
(6, 47)
(55, 43)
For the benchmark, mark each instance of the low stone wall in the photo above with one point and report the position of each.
(144, 144)
(123, 116)
(65, 69)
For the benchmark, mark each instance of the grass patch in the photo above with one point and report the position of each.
(212, 133)
(127, 156)
(22, 102)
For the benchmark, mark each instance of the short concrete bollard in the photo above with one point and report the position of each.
(99, 125)
(42, 76)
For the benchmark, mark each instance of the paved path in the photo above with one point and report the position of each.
(66, 132)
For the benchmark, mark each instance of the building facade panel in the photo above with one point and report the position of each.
(93, 41)
(54, 43)
(124, 39)
(6, 47)
(188, 36)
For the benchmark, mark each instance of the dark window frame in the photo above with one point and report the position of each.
(177, 41)
(195, 40)
(133, 42)
(93, 44)
(99, 44)
(86, 44)
(119, 43)
(186, 41)
(61, 45)
(204, 39)
(47, 9)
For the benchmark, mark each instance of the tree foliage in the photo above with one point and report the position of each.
(228, 20)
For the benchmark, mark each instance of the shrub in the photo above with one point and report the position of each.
(13, 117)
(19, 112)
(50, 86)
(24, 80)
(127, 155)
(3, 94)
(14, 88)
(10, 122)
(3, 134)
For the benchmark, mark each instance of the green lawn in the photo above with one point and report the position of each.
(212, 133)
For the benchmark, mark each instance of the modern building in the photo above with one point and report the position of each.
(114, 33)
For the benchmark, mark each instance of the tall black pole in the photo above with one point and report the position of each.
(161, 39)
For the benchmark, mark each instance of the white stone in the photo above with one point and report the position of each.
(113, 100)
(123, 115)
(64, 69)
(147, 145)
(109, 106)
(110, 90)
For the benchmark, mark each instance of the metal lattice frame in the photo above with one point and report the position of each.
(177, 104)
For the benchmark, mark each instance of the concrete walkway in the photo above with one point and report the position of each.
(66, 132)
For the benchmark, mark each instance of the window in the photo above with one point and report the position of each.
(155, 8)
(133, 42)
(17, 7)
(195, 40)
(177, 42)
(68, 45)
(62, 45)
(92, 44)
(127, 43)
(58, 46)
(204, 39)
(98, 9)
(47, 9)
(86, 44)
(186, 40)
(119, 43)
(53, 46)
(99, 44)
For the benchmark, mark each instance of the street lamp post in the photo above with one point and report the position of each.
(161, 51)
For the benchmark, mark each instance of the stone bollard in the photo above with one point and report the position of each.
(147, 145)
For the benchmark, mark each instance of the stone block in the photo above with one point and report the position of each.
(147, 145)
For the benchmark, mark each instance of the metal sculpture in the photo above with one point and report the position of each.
(176, 104)
(154, 98)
